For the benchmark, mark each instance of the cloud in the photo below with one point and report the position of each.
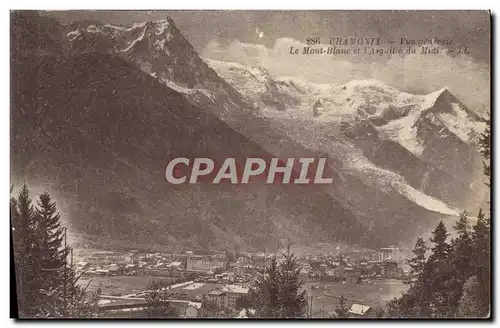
(467, 79)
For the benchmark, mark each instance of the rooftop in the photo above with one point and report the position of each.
(235, 289)
(216, 292)
(196, 305)
(359, 309)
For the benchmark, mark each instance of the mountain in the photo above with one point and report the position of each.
(428, 141)
(136, 96)
(97, 132)
(387, 196)
(159, 49)
(257, 86)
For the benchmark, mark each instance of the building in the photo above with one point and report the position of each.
(360, 311)
(115, 270)
(234, 292)
(373, 268)
(227, 296)
(351, 275)
(176, 264)
(101, 272)
(205, 262)
(259, 260)
(193, 310)
(322, 269)
(108, 257)
(158, 271)
(137, 308)
(404, 271)
(339, 272)
(389, 269)
(389, 254)
(99, 258)
(218, 297)
(244, 313)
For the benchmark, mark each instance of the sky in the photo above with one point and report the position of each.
(264, 38)
(468, 27)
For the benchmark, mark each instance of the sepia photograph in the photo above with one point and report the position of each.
(250, 164)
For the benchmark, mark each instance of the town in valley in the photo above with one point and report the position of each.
(367, 280)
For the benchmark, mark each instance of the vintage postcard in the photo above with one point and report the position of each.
(250, 164)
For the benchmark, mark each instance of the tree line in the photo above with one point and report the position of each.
(46, 284)
(454, 279)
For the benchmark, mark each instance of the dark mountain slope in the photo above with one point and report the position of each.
(99, 132)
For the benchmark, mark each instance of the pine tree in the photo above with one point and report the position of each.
(475, 301)
(470, 303)
(293, 301)
(209, 309)
(315, 108)
(61, 295)
(455, 280)
(265, 294)
(276, 293)
(462, 248)
(68, 299)
(342, 309)
(23, 218)
(417, 262)
(17, 250)
(463, 225)
(441, 276)
(394, 309)
(481, 234)
(53, 270)
(46, 286)
(485, 149)
(379, 312)
(416, 302)
(428, 296)
(158, 304)
(481, 262)
(441, 248)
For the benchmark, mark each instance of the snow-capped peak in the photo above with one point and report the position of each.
(126, 38)
(157, 47)
(133, 42)
(161, 26)
(396, 114)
